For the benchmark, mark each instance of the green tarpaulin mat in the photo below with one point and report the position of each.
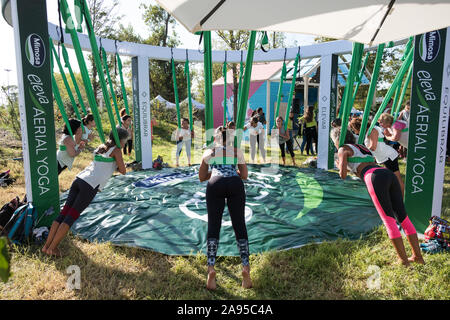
(165, 210)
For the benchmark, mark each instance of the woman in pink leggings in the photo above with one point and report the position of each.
(384, 189)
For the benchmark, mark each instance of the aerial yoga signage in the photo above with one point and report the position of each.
(428, 127)
(29, 20)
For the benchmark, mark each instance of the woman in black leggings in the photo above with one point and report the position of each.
(225, 183)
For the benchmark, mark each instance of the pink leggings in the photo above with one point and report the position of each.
(385, 191)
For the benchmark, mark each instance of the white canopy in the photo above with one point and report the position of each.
(354, 20)
(164, 101)
(195, 104)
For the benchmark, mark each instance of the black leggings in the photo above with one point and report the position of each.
(232, 189)
(311, 136)
(128, 145)
(289, 146)
(80, 196)
(61, 169)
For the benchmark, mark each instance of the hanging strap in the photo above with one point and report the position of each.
(245, 89)
(241, 75)
(122, 83)
(402, 95)
(57, 96)
(66, 84)
(72, 77)
(224, 73)
(360, 159)
(280, 89)
(398, 90)
(291, 92)
(264, 41)
(100, 158)
(78, 14)
(175, 90)
(372, 87)
(358, 49)
(111, 88)
(360, 76)
(209, 120)
(393, 87)
(65, 12)
(188, 80)
(98, 64)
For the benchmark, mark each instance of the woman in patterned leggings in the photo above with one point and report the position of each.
(225, 183)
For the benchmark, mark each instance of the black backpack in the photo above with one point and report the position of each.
(21, 224)
(7, 211)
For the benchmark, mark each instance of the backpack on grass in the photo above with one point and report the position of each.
(437, 236)
(19, 227)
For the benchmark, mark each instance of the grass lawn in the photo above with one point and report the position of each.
(362, 269)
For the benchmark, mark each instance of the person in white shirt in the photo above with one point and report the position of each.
(89, 124)
(383, 153)
(70, 147)
(107, 158)
(184, 136)
(255, 128)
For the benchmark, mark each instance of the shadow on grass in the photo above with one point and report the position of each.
(153, 279)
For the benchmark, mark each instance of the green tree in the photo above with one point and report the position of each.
(10, 115)
(160, 23)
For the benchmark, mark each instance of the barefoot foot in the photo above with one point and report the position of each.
(416, 259)
(211, 281)
(246, 280)
(54, 252)
(404, 263)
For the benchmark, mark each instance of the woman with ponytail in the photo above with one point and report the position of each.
(107, 158)
(228, 169)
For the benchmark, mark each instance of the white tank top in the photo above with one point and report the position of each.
(100, 170)
(383, 152)
(358, 155)
(62, 156)
(86, 133)
(403, 139)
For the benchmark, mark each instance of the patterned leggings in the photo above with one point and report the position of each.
(232, 189)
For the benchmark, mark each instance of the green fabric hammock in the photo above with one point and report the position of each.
(98, 65)
(372, 87)
(65, 13)
(58, 98)
(224, 73)
(122, 84)
(398, 78)
(280, 90)
(188, 80)
(291, 92)
(175, 90)
(66, 85)
(72, 76)
(346, 104)
(111, 87)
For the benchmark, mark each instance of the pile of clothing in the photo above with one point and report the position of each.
(5, 179)
(437, 236)
(159, 163)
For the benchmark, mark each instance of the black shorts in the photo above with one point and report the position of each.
(392, 164)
